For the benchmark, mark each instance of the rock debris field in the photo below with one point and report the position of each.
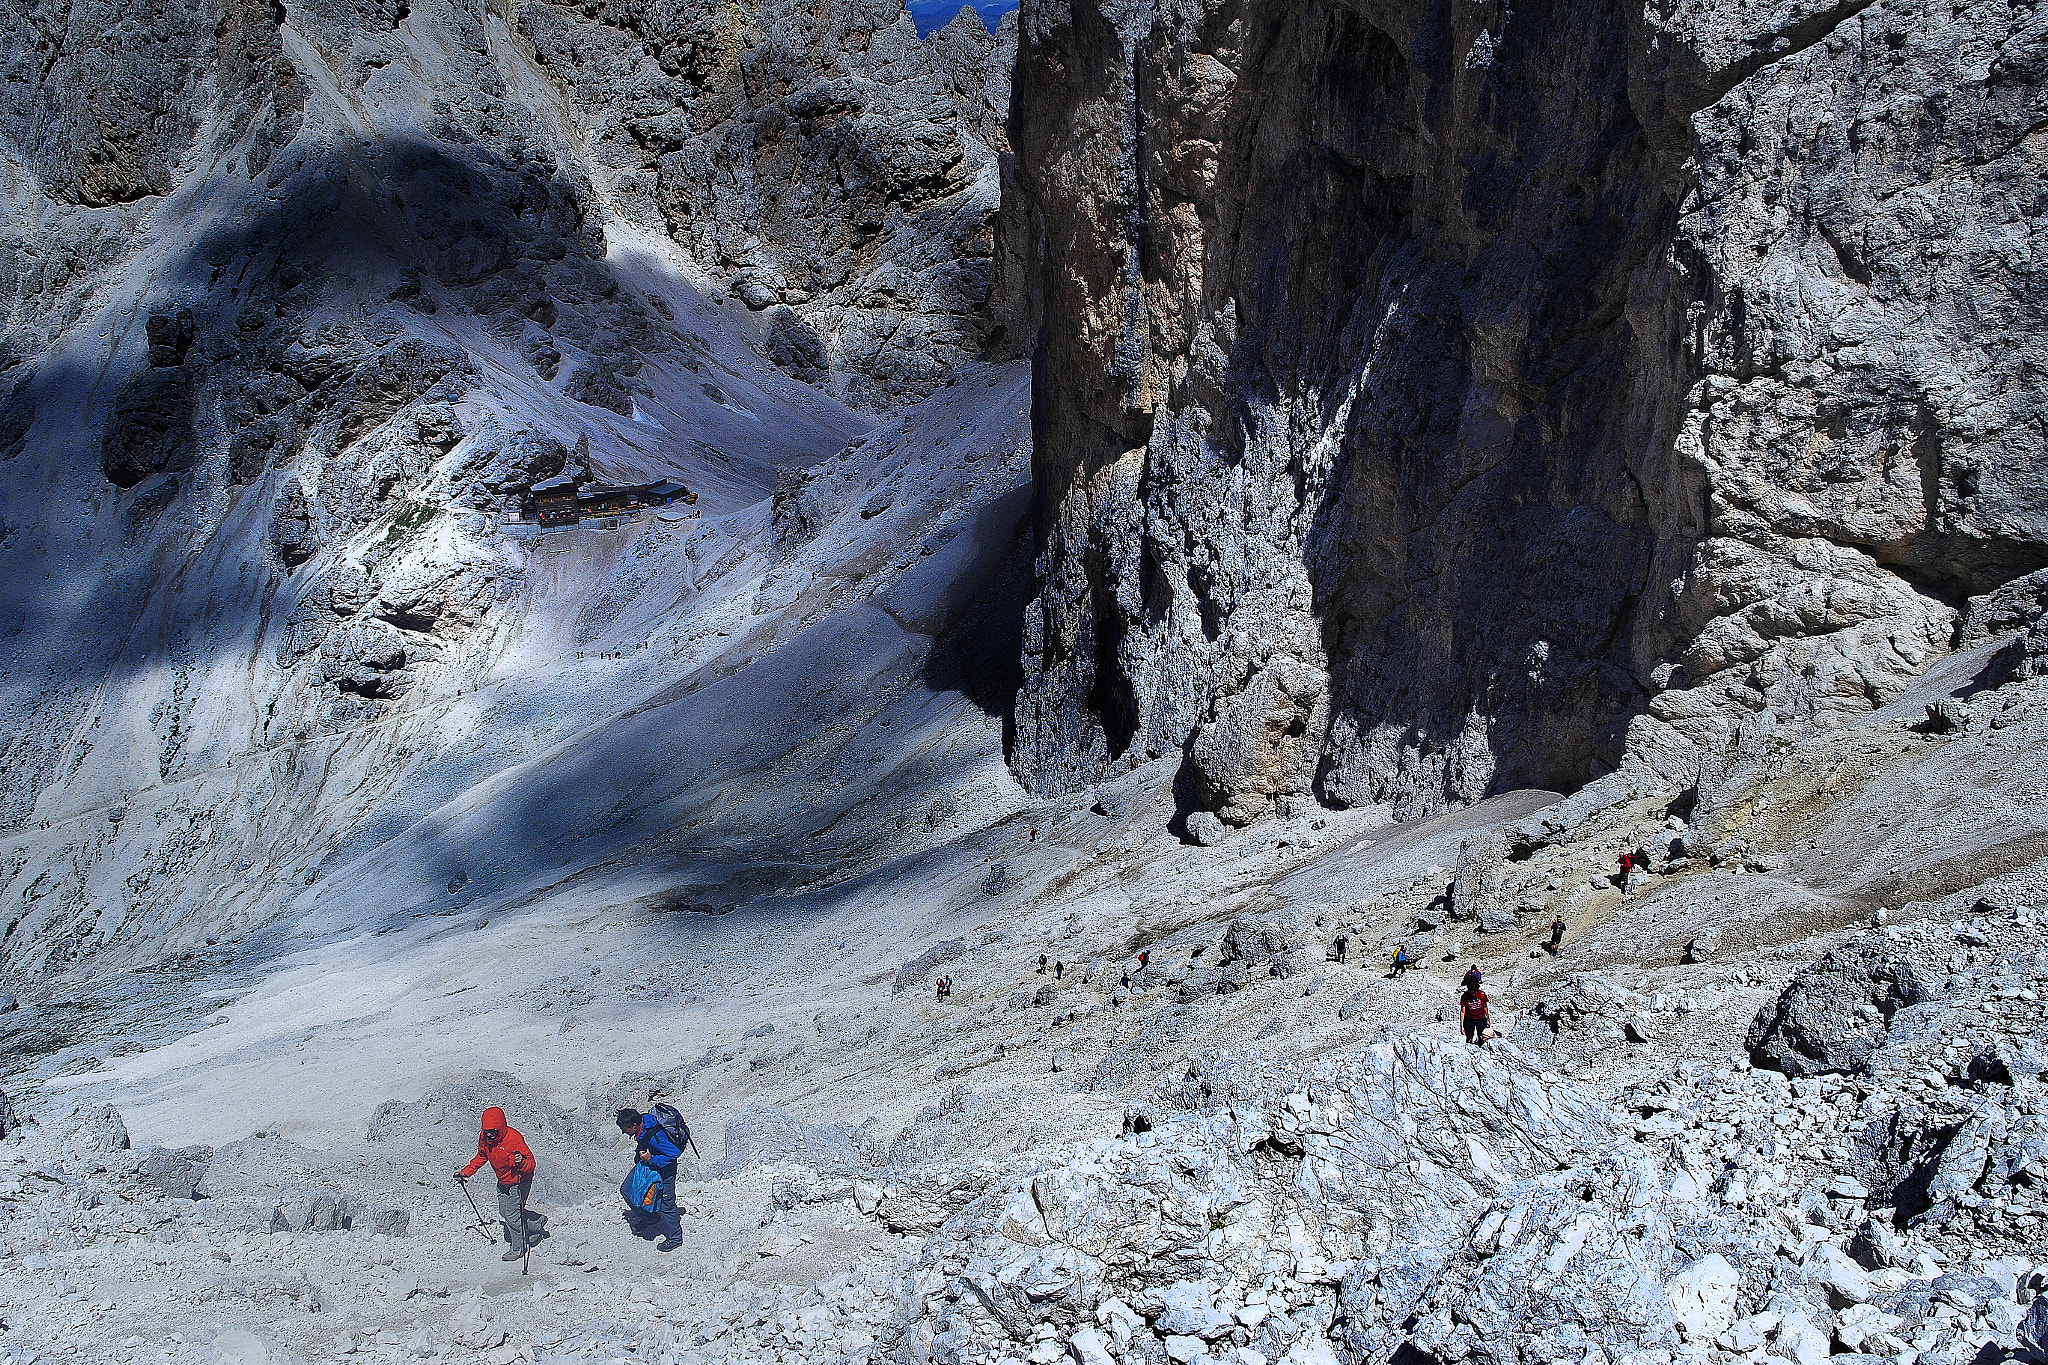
(1694, 1139)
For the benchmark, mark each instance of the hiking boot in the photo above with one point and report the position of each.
(512, 1255)
(668, 1244)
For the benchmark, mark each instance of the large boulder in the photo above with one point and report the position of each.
(1255, 939)
(2033, 1332)
(1480, 889)
(173, 1174)
(761, 1135)
(914, 971)
(2004, 1061)
(1588, 1013)
(1833, 1014)
(96, 1130)
(1703, 1297)
(574, 1160)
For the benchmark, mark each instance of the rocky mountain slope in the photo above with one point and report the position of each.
(1730, 1120)
(302, 310)
(1191, 499)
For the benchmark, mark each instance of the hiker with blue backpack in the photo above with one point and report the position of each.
(650, 1191)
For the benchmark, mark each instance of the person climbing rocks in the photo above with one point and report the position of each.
(1627, 864)
(1341, 944)
(1059, 971)
(1402, 962)
(944, 988)
(1472, 1009)
(1125, 982)
(1143, 958)
(1034, 834)
(511, 1160)
(1042, 960)
(652, 1146)
(1472, 979)
(1556, 935)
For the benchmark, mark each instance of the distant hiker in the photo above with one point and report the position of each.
(1471, 981)
(655, 1147)
(1402, 962)
(1627, 865)
(1473, 1010)
(1143, 958)
(1034, 834)
(1042, 960)
(1556, 934)
(1059, 971)
(1125, 983)
(512, 1162)
(1342, 943)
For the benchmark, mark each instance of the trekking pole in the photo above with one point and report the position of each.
(478, 1226)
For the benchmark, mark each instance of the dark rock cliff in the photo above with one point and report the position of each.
(1435, 399)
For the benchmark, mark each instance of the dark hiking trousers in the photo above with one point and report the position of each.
(665, 1211)
(1474, 1027)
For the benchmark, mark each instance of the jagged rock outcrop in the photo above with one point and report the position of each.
(1391, 1200)
(1834, 1014)
(1437, 399)
(824, 165)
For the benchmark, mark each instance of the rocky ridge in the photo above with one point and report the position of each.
(835, 172)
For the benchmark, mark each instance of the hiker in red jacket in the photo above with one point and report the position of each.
(512, 1162)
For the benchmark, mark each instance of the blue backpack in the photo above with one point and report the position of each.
(641, 1187)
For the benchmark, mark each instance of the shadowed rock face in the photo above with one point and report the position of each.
(137, 91)
(1435, 399)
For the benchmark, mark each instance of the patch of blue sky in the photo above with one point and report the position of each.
(933, 15)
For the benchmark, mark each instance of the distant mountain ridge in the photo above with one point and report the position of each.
(933, 15)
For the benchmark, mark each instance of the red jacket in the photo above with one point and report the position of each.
(1475, 1006)
(509, 1156)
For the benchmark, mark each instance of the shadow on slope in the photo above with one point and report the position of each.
(186, 465)
(815, 744)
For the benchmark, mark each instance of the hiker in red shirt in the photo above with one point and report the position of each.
(1472, 1009)
(512, 1162)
